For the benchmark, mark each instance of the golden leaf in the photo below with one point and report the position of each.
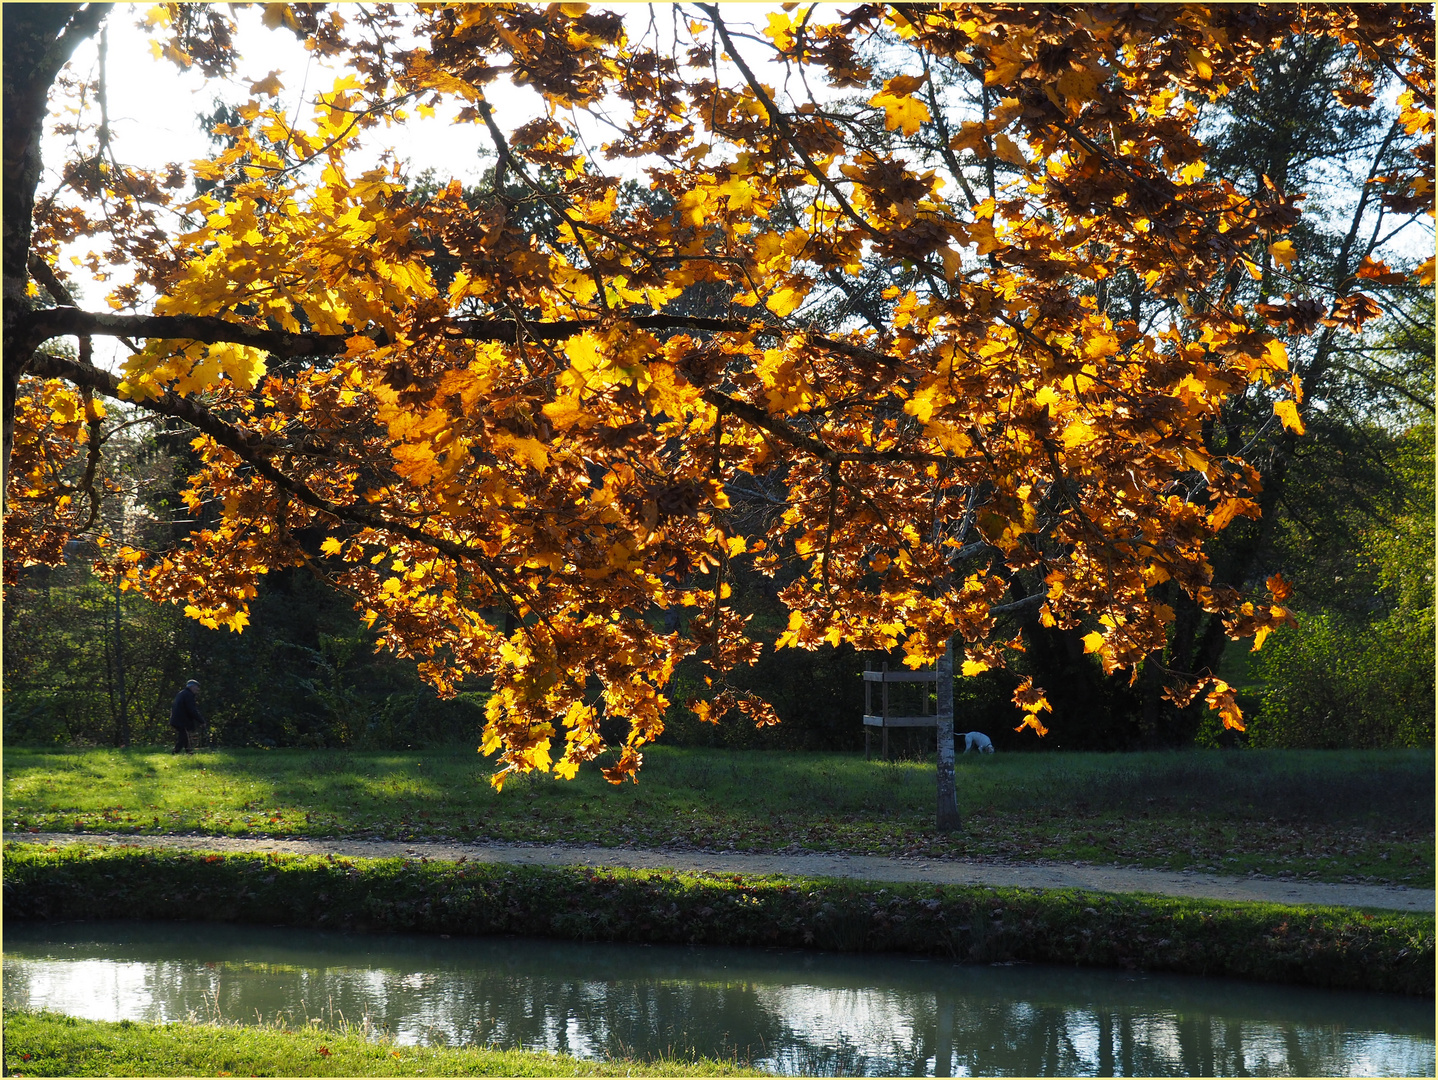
(270, 85)
(783, 301)
(1287, 412)
(1005, 149)
(901, 112)
(1283, 252)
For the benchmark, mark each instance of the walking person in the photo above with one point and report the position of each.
(185, 716)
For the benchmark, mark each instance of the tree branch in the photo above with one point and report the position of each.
(781, 125)
(236, 441)
(37, 327)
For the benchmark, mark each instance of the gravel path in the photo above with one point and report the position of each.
(808, 864)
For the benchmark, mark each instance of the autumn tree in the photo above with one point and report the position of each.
(549, 433)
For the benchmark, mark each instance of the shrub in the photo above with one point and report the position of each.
(1333, 684)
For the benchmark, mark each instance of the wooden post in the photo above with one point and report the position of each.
(884, 693)
(868, 706)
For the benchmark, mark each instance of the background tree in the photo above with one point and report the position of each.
(543, 435)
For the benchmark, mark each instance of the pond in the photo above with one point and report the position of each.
(784, 1010)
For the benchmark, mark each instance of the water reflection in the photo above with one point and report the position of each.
(790, 1011)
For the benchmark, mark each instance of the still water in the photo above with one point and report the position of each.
(783, 1010)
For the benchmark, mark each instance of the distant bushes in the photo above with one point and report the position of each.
(1332, 684)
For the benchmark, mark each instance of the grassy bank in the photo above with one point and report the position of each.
(1316, 946)
(50, 1044)
(1327, 816)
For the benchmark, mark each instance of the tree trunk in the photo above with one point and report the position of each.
(38, 41)
(122, 730)
(948, 815)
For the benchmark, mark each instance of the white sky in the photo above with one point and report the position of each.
(154, 108)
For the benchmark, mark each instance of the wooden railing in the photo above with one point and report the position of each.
(884, 719)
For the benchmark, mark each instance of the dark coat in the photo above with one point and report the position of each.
(185, 712)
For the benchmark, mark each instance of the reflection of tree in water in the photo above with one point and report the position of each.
(640, 1018)
(797, 1013)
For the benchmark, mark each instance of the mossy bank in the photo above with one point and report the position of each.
(50, 1044)
(1317, 946)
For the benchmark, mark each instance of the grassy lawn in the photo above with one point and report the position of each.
(1325, 816)
(50, 1044)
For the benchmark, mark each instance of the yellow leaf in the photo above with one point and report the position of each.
(904, 85)
(1223, 699)
(1076, 434)
(1229, 509)
(780, 31)
(1287, 411)
(953, 263)
(270, 85)
(526, 450)
(907, 113)
(1078, 85)
(981, 233)
(783, 301)
(973, 667)
(583, 352)
(564, 412)
(1283, 252)
(277, 15)
(331, 546)
(1005, 149)
(1092, 642)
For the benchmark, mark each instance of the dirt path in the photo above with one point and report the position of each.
(869, 867)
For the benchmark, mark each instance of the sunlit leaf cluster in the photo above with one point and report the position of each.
(548, 430)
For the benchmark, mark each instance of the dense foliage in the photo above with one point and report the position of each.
(984, 340)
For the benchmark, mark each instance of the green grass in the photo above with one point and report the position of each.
(1306, 944)
(1326, 816)
(51, 1044)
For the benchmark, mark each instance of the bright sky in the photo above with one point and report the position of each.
(154, 107)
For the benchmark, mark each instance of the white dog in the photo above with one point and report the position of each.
(977, 740)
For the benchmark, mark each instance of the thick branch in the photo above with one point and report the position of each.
(41, 326)
(237, 442)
